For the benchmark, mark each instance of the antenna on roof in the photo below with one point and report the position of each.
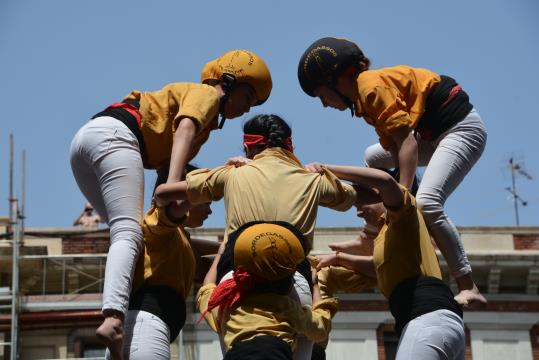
(517, 168)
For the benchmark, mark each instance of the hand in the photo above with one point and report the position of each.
(314, 167)
(238, 161)
(326, 260)
(159, 201)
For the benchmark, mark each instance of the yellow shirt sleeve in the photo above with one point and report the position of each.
(387, 110)
(334, 193)
(315, 322)
(203, 297)
(200, 105)
(205, 185)
(336, 278)
(157, 222)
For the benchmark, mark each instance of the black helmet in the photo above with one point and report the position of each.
(325, 60)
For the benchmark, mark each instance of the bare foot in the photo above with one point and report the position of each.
(468, 294)
(110, 333)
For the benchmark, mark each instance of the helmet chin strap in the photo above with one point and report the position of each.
(227, 82)
(346, 100)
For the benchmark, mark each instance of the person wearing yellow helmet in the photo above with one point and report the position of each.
(265, 256)
(153, 130)
(422, 119)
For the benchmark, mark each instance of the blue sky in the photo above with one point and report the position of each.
(61, 61)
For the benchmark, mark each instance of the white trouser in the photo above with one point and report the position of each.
(301, 292)
(438, 335)
(146, 337)
(447, 161)
(107, 165)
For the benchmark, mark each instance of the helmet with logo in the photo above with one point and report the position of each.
(241, 66)
(325, 60)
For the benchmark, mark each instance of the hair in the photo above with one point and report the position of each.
(271, 126)
(364, 62)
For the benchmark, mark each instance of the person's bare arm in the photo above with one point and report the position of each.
(166, 193)
(183, 143)
(177, 210)
(211, 276)
(390, 192)
(357, 263)
(406, 145)
(317, 296)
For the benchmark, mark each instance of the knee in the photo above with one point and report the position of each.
(371, 153)
(430, 206)
(130, 232)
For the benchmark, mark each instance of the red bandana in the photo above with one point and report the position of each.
(229, 292)
(251, 139)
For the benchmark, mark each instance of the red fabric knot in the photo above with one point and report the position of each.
(454, 91)
(229, 292)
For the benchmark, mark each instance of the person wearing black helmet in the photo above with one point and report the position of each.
(153, 130)
(421, 118)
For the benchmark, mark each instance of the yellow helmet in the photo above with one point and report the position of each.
(269, 250)
(245, 67)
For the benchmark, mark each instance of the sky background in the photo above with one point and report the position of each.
(62, 61)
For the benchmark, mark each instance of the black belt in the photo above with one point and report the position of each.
(263, 347)
(164, 302)
(129, 120)
(443, 109)
(420, 295)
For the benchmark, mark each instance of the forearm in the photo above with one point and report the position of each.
(211, 276)
(364, 176)
(183, 143)
(166, 193)
(177, 211)
(317, 296)
(357, 263)
(408, 159)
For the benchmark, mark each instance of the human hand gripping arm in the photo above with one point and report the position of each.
(357, 263)
(183, 143)
(406, 151)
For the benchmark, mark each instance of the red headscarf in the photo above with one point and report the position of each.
(229, 292)
(252, 139)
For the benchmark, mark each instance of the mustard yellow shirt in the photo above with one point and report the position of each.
(168, 258)
(269, 314)
(393, 97)
(273, 187)
(403, 247)
(162, 110)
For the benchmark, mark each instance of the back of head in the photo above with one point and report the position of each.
(272, 127)
(325, 60)
(241, 66)
(269, 251)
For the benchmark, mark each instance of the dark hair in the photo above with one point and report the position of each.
(395, 173)
(272, 127)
